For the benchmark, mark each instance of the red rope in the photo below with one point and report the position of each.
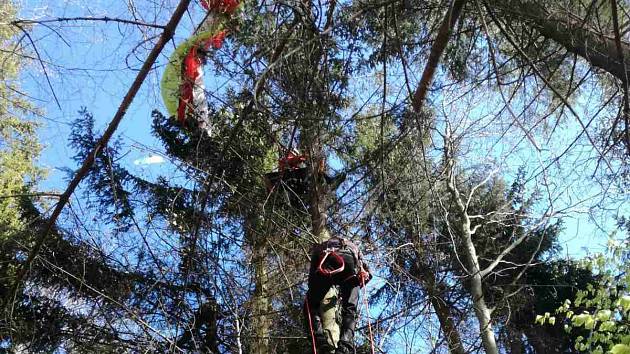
(310, 324)
(327, 272)
(367, 314)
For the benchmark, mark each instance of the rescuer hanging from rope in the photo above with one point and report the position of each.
(294, 174)
(335, 262)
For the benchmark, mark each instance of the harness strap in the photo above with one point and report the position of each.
(334, 271)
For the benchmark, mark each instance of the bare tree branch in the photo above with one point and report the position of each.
(83, 18)
(548, 84)
(436, 53)
(40, 194)
(41, 63)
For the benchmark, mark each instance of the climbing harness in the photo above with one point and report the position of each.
(183, 90)
(292, 161)
(338, 259)
(332, 264)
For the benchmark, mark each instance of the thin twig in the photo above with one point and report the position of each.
(84, 18)
(41, 62)
(509, 38)
(41, 194)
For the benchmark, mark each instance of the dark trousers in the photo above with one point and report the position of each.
(318, 286)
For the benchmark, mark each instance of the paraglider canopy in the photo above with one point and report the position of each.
(183, 90)
(186, 64)
(221, 6)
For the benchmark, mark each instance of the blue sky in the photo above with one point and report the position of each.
(96, 64)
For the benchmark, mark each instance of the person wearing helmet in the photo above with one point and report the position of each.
(294, 175)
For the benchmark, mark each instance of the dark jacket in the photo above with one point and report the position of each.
(338, 244)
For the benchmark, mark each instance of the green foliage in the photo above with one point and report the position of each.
(602, 308)
(106, 177)
(18, 144)
(18, 150)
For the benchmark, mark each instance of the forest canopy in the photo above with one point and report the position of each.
(476, 151)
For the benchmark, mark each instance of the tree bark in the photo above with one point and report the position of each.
(318, 208)
(476, 290)
(435, 291)
(577, 38)
(260, 301)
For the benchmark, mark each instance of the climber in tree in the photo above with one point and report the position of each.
(294, 172)
(335, 262)
(292, 161)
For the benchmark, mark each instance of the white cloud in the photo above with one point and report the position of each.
(149, 160)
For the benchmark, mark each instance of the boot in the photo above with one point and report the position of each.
(346, 340)
(321, 343)
(336, 181)
(344, 348)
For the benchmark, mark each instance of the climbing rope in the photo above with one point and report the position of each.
(339, 260)
(310, 324)
(367, 314)
(365, 302)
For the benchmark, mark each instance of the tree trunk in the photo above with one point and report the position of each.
(482, 311)
(577, 38)
(318, 206)
(311, 91)
(260, 301)
(435, 291)
(437, 49)
(476, 291)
